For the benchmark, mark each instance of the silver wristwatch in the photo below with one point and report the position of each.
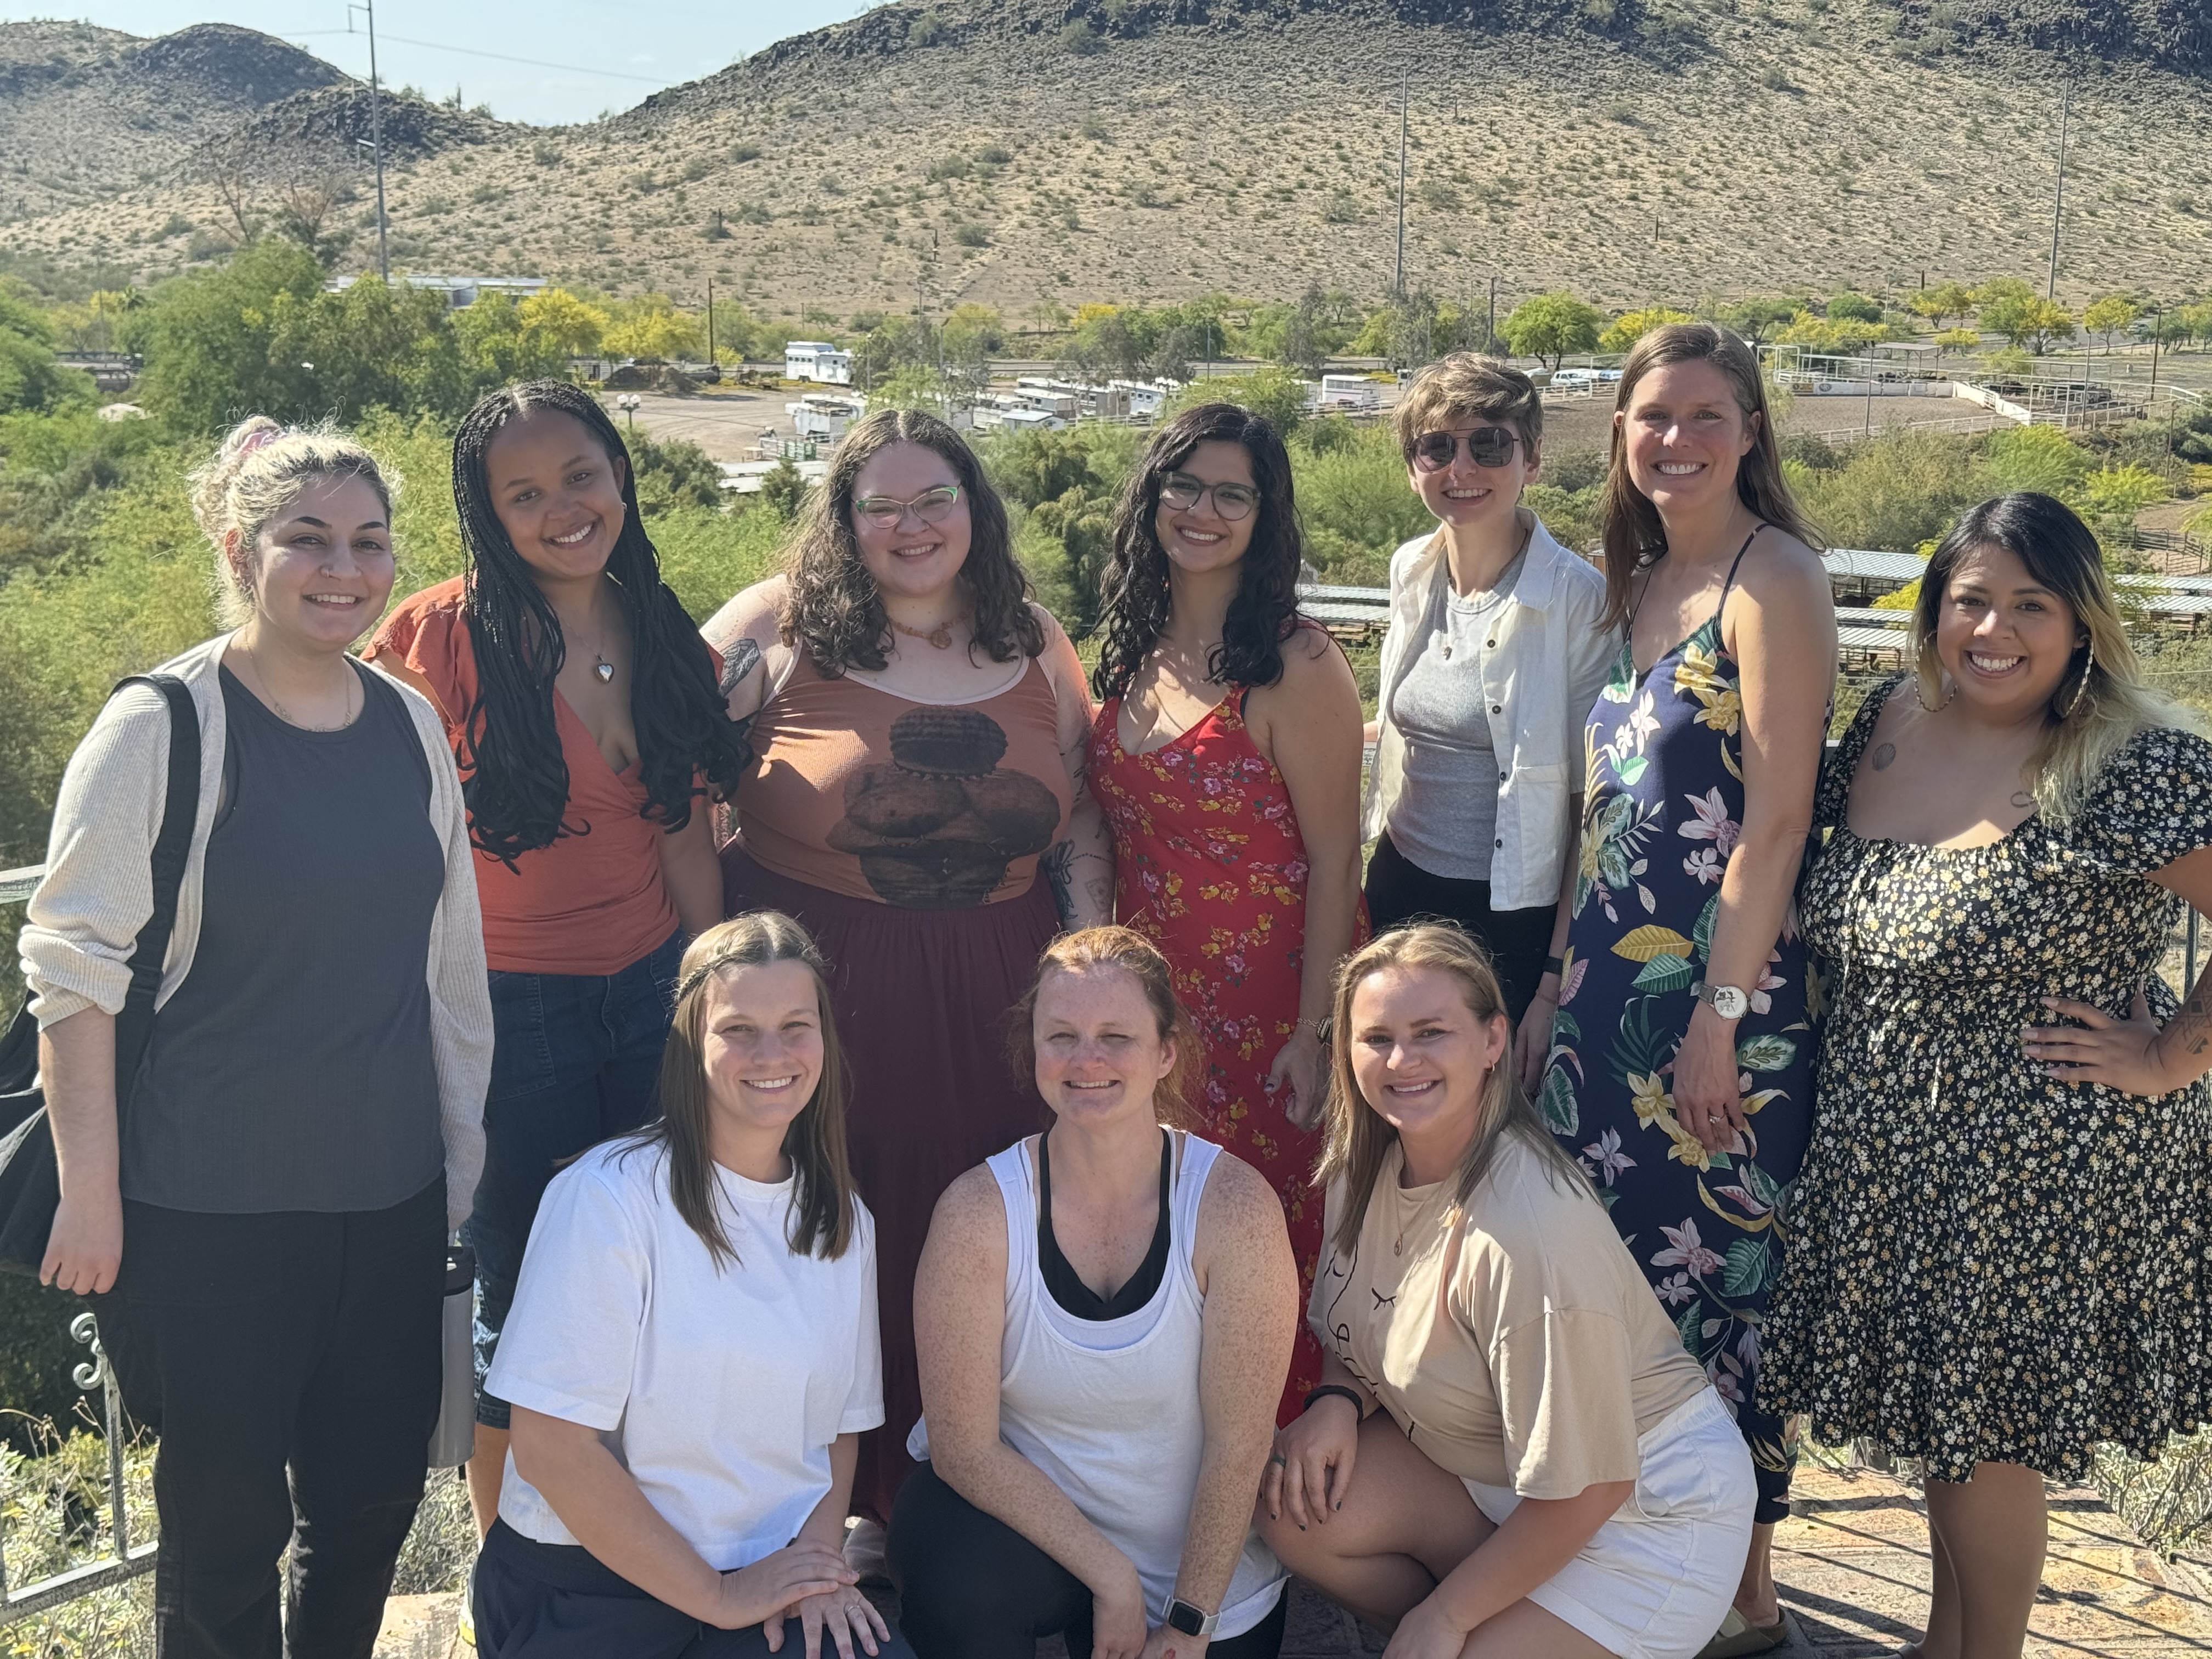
(1187, 1617)
(1728, 1001)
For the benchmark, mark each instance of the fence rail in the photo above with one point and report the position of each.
(16, 885)
(123, 1559)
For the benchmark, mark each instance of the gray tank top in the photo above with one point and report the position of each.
(292, 1070)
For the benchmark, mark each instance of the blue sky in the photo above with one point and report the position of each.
(605, 54)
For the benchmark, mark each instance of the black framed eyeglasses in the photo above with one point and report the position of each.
(931, 506)
(1182, 492)
(1486, 445)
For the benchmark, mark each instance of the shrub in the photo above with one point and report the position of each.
(995, 156)
(742, 153)
(971, 235)
(1080, 38)
(925, 30)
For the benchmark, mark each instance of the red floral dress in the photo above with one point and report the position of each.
(1209, 865)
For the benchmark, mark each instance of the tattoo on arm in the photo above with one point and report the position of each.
(739, 658)
(2191, 1028)
(1058, 867)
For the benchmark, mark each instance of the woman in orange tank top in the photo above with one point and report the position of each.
(916, 798)
(584, 717)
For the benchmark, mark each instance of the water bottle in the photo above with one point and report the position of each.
(455, 1437)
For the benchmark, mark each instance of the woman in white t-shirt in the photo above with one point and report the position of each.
(692, 1354)
(1511, 1455)
(1103, 1316)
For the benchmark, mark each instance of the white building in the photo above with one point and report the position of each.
(817, 360)
(1349, 392)
(820, 414)
(460, 291)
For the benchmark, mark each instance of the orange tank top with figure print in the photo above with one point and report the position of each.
(926, 806)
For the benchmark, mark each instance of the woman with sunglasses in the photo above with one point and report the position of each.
(917, 800)
(1226, 759)
(1496, 649)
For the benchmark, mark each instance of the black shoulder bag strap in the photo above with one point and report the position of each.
(30, 1179)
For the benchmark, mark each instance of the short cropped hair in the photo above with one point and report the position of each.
(1463, 388)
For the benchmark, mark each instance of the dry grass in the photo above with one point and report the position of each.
(1256, 161)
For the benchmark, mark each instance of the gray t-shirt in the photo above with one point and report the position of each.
(292, 1069)
(1445, 818)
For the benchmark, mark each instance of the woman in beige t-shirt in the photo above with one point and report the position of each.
(1550, 1475)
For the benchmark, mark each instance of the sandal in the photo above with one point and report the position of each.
(1739, 1638)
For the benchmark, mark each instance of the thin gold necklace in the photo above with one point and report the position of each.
(286, 714)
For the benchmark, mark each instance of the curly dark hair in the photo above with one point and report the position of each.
(834, 611)
(513, 777)
(1134, 598)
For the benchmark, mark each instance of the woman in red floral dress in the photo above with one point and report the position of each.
(1226, 760)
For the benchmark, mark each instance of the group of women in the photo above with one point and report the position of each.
(1661, 1080)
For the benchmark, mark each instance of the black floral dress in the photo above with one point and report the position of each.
(1987, 1263)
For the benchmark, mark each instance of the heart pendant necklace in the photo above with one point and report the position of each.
(603, 668)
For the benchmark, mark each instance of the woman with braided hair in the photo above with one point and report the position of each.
(585, 715)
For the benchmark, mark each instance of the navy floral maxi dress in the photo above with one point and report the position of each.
(1662, 806)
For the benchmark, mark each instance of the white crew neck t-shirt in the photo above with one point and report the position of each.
(718, 1387)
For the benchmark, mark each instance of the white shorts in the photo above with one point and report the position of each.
(1660, 1576)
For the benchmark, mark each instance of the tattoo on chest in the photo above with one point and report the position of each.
(1884, 753)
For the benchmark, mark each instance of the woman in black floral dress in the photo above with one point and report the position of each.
(1997, 1243)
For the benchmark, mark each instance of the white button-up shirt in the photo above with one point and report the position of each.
(1549, 661)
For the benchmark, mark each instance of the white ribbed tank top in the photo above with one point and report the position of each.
(1108, 1408)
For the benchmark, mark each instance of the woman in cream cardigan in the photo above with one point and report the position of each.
(1495, 651)
(260, 1212)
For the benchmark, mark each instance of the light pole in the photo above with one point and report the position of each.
(2058, 199)
(629, 403)
(376, 132)
(1405, 96)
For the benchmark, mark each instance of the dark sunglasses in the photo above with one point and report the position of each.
(1486, 445)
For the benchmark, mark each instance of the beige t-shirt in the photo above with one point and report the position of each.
(1517, 1344)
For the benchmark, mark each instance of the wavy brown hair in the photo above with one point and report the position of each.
(1134, 599)
(821, 1211)
(1357, 1137)
(1124, 948)
(834, 611)
(1635, 539)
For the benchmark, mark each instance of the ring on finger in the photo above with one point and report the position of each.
(1279, 1461)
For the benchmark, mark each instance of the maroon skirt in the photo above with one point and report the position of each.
(922, 999)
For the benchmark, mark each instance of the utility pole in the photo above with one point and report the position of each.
(2059, 200)
(1405, 96)
(376, 132)
(711, 362)
(2157, 318)
(1490, 328)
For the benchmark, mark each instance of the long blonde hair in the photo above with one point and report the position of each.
(821, 1211)
(252, 478)
(2104, 699)
(1359, 1140)
(1634, 537)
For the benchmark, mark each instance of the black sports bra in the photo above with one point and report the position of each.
(1061, 1277)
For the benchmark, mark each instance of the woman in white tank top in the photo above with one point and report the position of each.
(1104, 1318)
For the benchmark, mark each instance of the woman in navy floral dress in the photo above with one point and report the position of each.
(1681, 1058)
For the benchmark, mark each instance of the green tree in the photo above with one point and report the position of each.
(2108, 314)
(1271, 390)
(1942, 303)
(29, 377)
(1625, 329)
(783, 492)
(1851, 307)
(1757, 317)
(651, 328)
(562, 322)
(917, 386)
(1081, 521)
(497, 346)
(1958, 339)
(210, 339)
(2040, 458)
(1547, 326)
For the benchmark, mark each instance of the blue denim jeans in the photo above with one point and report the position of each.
(575, 1059)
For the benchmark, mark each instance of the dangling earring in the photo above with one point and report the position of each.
(2082, 690)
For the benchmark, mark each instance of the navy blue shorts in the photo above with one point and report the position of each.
(534, 1600)
(575, 1059)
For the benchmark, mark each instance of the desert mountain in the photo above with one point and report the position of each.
(1014, 150)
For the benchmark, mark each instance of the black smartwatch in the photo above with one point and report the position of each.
(1189, 1620)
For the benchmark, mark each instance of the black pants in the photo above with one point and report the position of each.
(1399, 892)
(533, 1601)
(260, 1347)
(970, 1587)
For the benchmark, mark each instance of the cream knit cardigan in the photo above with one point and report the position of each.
(99, 891)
